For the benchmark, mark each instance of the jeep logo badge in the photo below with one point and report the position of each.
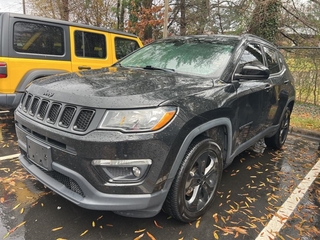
(48, 94)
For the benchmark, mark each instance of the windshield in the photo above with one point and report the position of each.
(206, 57)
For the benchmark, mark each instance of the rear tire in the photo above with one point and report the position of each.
(278, 140)
(196, 182)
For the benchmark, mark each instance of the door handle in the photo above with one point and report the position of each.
(84, 67)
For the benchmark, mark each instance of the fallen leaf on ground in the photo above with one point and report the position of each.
(13, 229)
(157, 225)
(16, 206)
(215, 234)
(139, 237)
(150, 236)
(198, 222)
(56, 229)
(215, 217)
(84, 233)
(240, 230)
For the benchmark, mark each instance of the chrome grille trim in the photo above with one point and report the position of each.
(67, 116)
(53, 113)
(27, 104)
(83, 120)
(43, 109)
(34, 106)
(57, 114)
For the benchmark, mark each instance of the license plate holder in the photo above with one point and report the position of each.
(39, 154)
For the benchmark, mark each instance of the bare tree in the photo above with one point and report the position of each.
(120, 14)
(63, 6)
(183, 23)
(93, 12)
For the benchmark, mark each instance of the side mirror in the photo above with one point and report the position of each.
(253, 71)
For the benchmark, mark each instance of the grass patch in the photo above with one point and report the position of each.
(306, 116)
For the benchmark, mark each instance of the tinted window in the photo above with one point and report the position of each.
(124, 47)
(92, 45)
(189, 56)
(251, 54)
(38, 38)
(272, 60)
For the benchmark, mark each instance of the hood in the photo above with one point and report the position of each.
(119, 87)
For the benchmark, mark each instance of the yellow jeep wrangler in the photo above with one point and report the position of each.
(34, 47)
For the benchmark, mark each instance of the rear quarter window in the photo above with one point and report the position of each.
(38, 38)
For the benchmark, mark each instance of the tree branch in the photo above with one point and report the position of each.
(291, 39)
(299, 19)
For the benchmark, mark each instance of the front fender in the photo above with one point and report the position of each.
(192, 135)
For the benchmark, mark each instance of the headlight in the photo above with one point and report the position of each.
(137, 120)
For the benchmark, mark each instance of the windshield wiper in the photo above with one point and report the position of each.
(148, 67)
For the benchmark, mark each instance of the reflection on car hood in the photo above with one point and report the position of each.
(119, 87)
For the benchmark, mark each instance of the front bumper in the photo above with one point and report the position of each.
(135, 205)
(74, 177)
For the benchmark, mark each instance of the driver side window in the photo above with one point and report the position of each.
(252, 54)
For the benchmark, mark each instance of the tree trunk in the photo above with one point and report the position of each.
(204, 9)
(120, 14)
(148, 29)
(265, 19)
(183, 23)
(64, 10)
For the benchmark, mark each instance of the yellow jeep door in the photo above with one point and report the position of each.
(89, 49)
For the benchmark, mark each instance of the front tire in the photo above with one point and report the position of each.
(195, 185)
(278, 140)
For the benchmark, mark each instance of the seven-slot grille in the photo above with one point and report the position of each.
(56, 113)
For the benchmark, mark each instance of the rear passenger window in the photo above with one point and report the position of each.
(38, 38)
(124, 47)
(91, 45)
(272, 60)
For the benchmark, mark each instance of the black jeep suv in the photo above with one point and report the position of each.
(155, 130)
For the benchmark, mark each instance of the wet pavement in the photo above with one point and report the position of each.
(8, 139)
(253, 190)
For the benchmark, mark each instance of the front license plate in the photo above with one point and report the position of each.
(39, 154)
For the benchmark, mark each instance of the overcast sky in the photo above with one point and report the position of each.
(11, 6)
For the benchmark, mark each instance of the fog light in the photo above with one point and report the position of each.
(136, 171)
(132, 170)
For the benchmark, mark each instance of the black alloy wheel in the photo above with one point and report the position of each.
(278, 140)
(196, 182)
